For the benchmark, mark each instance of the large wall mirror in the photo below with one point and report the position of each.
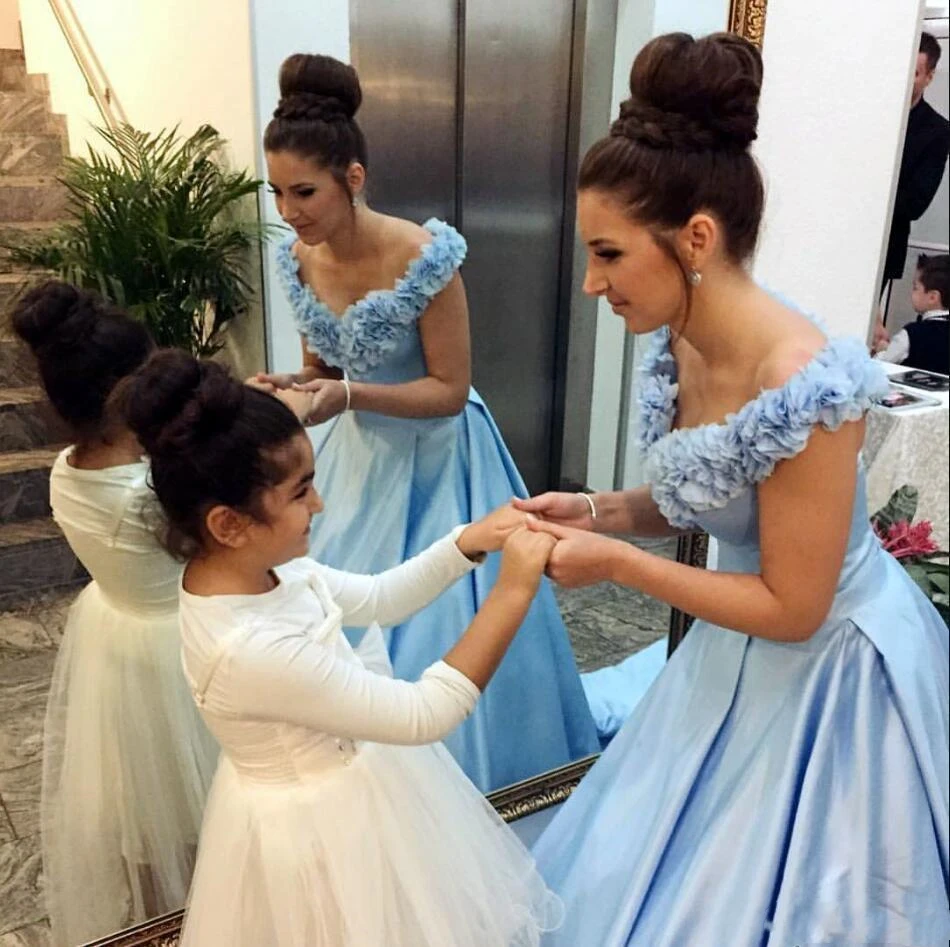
(478, 112)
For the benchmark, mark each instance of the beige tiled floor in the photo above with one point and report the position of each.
(606, 624)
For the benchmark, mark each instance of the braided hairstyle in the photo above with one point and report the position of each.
(211, 441)
(681, 142)
(319, 97)
(83, 347)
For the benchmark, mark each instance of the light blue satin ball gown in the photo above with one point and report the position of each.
(768, 794)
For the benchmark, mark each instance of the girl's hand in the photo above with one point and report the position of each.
(524, 556)
(580, 557)
(328, 399)
(567, 509)
(272, 383)
(490, 532)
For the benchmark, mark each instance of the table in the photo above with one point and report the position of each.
(911, 446)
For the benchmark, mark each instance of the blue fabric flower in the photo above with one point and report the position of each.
(704, 468)
(372, 327)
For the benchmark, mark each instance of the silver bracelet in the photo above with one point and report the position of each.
(590, 503)
(346, 385)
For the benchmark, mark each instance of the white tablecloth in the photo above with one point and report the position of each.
(911, 447)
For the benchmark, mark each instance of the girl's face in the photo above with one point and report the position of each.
(627, 267)
(288, 508)
(309, 198)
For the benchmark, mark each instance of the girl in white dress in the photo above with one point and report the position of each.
(127, 761)
(336, 819)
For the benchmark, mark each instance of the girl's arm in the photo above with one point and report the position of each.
(392, 596)
(295, 680)
(805, 510)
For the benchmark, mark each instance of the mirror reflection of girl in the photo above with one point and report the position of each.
(785, 779)
(335, 818)
(127, 761)
(381, 311)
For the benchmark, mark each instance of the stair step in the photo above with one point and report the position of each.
(32, 198)
(24, 483)
(27, 111)
(26, 231)
(34, 557)
(17, 366)
(27, 420)
(31, 153)
(13, 75)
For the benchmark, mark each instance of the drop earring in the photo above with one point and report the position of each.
(695, 277)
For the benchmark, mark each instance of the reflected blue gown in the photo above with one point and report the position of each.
(393, 486)
(765, 793)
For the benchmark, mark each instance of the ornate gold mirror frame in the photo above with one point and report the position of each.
(746, 18)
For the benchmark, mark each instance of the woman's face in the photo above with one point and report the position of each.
(627, 266)
(309, 198)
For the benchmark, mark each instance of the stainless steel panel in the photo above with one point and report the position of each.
(516, 88)
(406, 56)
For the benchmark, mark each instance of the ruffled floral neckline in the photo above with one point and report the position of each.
(371, 328)
(697, 469)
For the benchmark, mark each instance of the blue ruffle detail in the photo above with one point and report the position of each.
(372, 327)
(699, 469)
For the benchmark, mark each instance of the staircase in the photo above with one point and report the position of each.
(34, 557)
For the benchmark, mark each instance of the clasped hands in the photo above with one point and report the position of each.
(312, 401)
(575, 556)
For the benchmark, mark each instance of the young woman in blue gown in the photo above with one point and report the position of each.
(785, 779)
(413, 450)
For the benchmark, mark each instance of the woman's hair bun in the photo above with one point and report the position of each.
(56, 314)
(318, 88)
(693, 94)
(175, 401)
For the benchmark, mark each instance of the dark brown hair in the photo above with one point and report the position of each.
(681, 142)
(319, 97)
(83, 347)
(931, 49)
(211, 440)
(934, 274)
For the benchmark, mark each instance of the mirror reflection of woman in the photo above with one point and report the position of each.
(127, 761)
(381, 311)
(785, 779)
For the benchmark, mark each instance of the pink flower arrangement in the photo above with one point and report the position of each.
(903, 539)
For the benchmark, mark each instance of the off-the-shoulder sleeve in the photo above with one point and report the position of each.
(700, 469)
(372, 327)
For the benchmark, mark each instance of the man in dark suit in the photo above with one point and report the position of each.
(926, 146)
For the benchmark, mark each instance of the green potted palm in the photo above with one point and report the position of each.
(159, 226)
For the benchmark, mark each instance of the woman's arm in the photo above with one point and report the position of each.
(442, 392)
(805, 510)
(629, 512)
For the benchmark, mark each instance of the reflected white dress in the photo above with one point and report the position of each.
(127, 762)
(335, 820)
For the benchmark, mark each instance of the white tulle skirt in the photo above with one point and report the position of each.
(398, 849)
(127, 763)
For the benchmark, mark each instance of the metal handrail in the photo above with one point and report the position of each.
(109, 107)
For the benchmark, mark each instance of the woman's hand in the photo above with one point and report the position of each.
(580, 557)
(567, 509)
(272, 383)
(298, 401)
(328, 398)
(490, 532)
(523, 559)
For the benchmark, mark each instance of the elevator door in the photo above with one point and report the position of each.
(466, 109)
